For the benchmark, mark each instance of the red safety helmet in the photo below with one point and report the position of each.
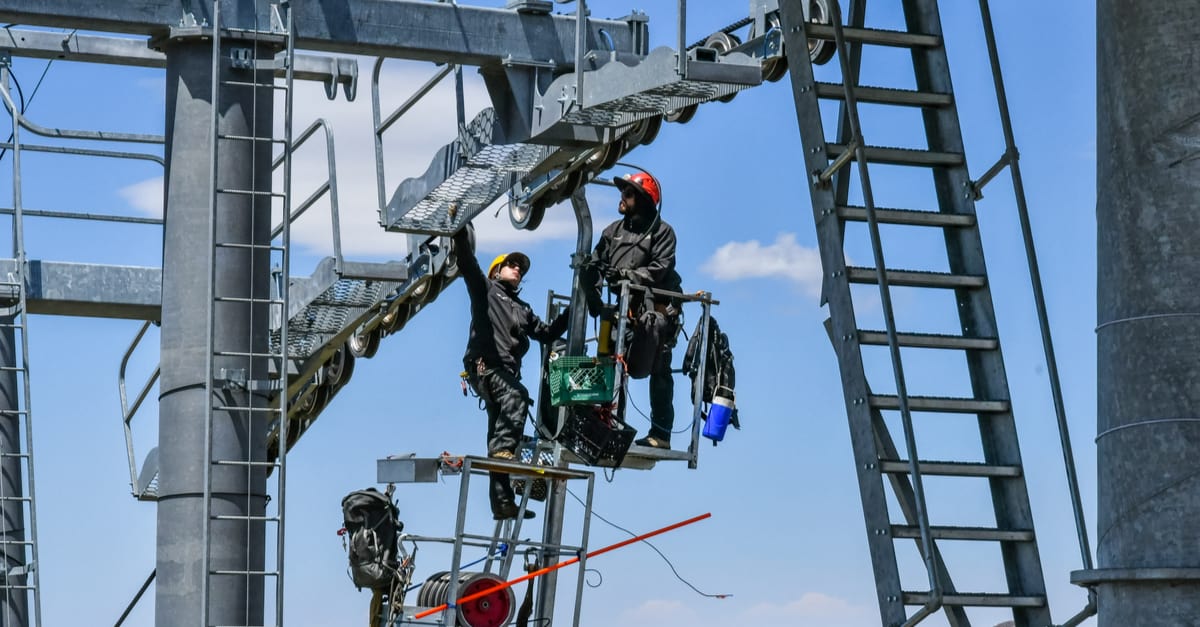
(641, 182)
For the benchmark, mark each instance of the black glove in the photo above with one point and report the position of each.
(616, 275)
(464, 240)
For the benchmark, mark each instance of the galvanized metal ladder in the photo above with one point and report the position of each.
(942, 162)
(240, 381)
(18, 527)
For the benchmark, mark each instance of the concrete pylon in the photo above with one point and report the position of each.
(1148, 310)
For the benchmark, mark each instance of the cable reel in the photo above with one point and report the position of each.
(491, 610)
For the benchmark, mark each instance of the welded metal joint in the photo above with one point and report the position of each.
(241, 58)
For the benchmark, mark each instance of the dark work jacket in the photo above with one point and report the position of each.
(642, 245)
(501, 323)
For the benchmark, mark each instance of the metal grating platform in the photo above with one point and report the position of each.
(617, 94)
(465, 178)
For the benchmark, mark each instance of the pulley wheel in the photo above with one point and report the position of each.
(365, 343)
(723, 42)
(395, 318)
(491, 610)
(527, 216)
(820, 51)
(606, 156)
(644, 132)
(681, 116)
(339, 368)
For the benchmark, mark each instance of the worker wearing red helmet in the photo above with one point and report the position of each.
(640, 248)
(501, 327)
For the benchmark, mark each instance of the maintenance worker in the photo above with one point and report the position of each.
(640, 248)
(501, 325)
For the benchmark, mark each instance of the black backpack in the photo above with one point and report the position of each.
(373, 529)
(719, 377)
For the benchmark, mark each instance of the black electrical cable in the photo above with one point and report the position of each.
(651, 545)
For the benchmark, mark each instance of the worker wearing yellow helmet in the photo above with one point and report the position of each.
(501, 327)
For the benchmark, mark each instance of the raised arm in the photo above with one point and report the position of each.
(472, 274)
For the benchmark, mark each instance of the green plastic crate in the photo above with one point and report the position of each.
(581, 380)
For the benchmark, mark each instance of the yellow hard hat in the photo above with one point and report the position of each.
(519, 258)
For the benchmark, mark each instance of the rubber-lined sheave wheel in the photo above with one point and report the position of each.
(527, 216)
(365, 343)
(723, 42)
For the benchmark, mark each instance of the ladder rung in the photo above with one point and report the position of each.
(964, 533)
(250, 518)
(245, 354)
(886, 95)
(977, 599)
(19, 542)
(233, 462)
(875, 36)
(909, 217)
(929, 340)
(12, 369)
(241, 299)
(945, 404)
(11, 412)
(249, 192)
(14, 455)
(22, 587)
(25, 499)
(262, 573)
(951, 469)
(251, 138)
(249, 246)
(259, 410)
(253, 84)
(916, 278)
(902, 156)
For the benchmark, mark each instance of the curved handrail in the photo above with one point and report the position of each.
(127, 410)
(329, 186)
(36, 129)
(383, 125)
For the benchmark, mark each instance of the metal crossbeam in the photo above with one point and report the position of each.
(410, 29)
(136, 52)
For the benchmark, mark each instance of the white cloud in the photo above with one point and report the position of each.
(658, 613)
(812, 608)
(408, 147)
(784, 258)
(145, 196)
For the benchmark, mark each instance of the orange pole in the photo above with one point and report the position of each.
(538, 573)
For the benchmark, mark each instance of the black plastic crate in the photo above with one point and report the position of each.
(596, 437)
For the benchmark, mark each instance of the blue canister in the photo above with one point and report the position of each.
(717, 422)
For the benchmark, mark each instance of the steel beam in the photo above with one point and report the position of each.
(136, 52)
(409, 29)
(91, 290)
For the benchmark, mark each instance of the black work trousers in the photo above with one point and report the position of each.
(507, 402)
(662, 391)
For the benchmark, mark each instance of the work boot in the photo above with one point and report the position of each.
(504, 510)
(653, 442)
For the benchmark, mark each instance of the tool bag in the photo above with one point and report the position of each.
(719, 377)
(372, 531)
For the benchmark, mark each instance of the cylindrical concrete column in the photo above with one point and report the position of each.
(1148, 310)
(239, 326)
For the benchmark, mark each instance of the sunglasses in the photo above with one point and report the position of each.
(629, 193)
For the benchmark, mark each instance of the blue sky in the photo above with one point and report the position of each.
(786, 538)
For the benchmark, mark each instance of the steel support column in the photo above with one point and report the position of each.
(14, 607)
(237, 327)
(576, 339)
(1148, 310)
